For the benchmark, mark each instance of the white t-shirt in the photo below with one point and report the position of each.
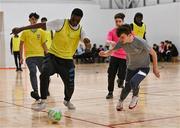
(58, 24)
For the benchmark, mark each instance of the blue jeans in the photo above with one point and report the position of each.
(133, 79)
(32, 63)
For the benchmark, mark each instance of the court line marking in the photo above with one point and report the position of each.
(77, 119)
(110, 125)
(7, 68)
(146, 120)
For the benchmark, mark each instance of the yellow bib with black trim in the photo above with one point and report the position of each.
(139, 31)
(15, 44)
(65, 41)
(33, 42)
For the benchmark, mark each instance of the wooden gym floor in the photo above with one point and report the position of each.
(159, 104)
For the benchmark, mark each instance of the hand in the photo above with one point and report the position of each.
(156, 72)
(46, 52)
(113, 45)
(21, 61)
(103, 53)
(15, 31)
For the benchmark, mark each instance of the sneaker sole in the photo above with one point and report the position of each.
(71, 108)
(38, 109)
(109, 98)
(133, 106)
(68, 107)
(120, 109)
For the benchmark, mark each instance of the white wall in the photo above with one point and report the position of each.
(17, 15)
(178, 26)
(162, 21)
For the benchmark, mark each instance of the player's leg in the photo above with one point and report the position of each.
(126, 90)
(33, 78)
(16, 61)
(121, 72)
(67, 74)
(134, 83)
(112, 71)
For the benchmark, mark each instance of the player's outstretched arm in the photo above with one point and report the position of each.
(17, 30)
(106, 53)
(155, 63)
(109, 52)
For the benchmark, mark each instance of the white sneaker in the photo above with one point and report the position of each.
(133, 102)
(36, 101)
(119, 106)
(39, 105)
(69, 105)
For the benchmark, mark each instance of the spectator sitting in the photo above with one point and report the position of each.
(100, 59)
(94, 52)
(173, 51)
(167, 51)
(162, 51)
(156, 49)
(88, 56)
(79, 53)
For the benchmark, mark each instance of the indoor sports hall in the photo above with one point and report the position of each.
(89, 63)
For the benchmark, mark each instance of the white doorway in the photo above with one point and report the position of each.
(2, 42)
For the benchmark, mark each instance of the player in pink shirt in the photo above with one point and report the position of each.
(117, 64)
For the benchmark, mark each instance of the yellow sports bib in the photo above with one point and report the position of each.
(65, 41)
(15, 44)
(139, 31)
(33, 41)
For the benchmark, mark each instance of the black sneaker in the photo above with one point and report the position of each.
(120, 83)
(109, 96)
(35, 95)
(20, 69)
